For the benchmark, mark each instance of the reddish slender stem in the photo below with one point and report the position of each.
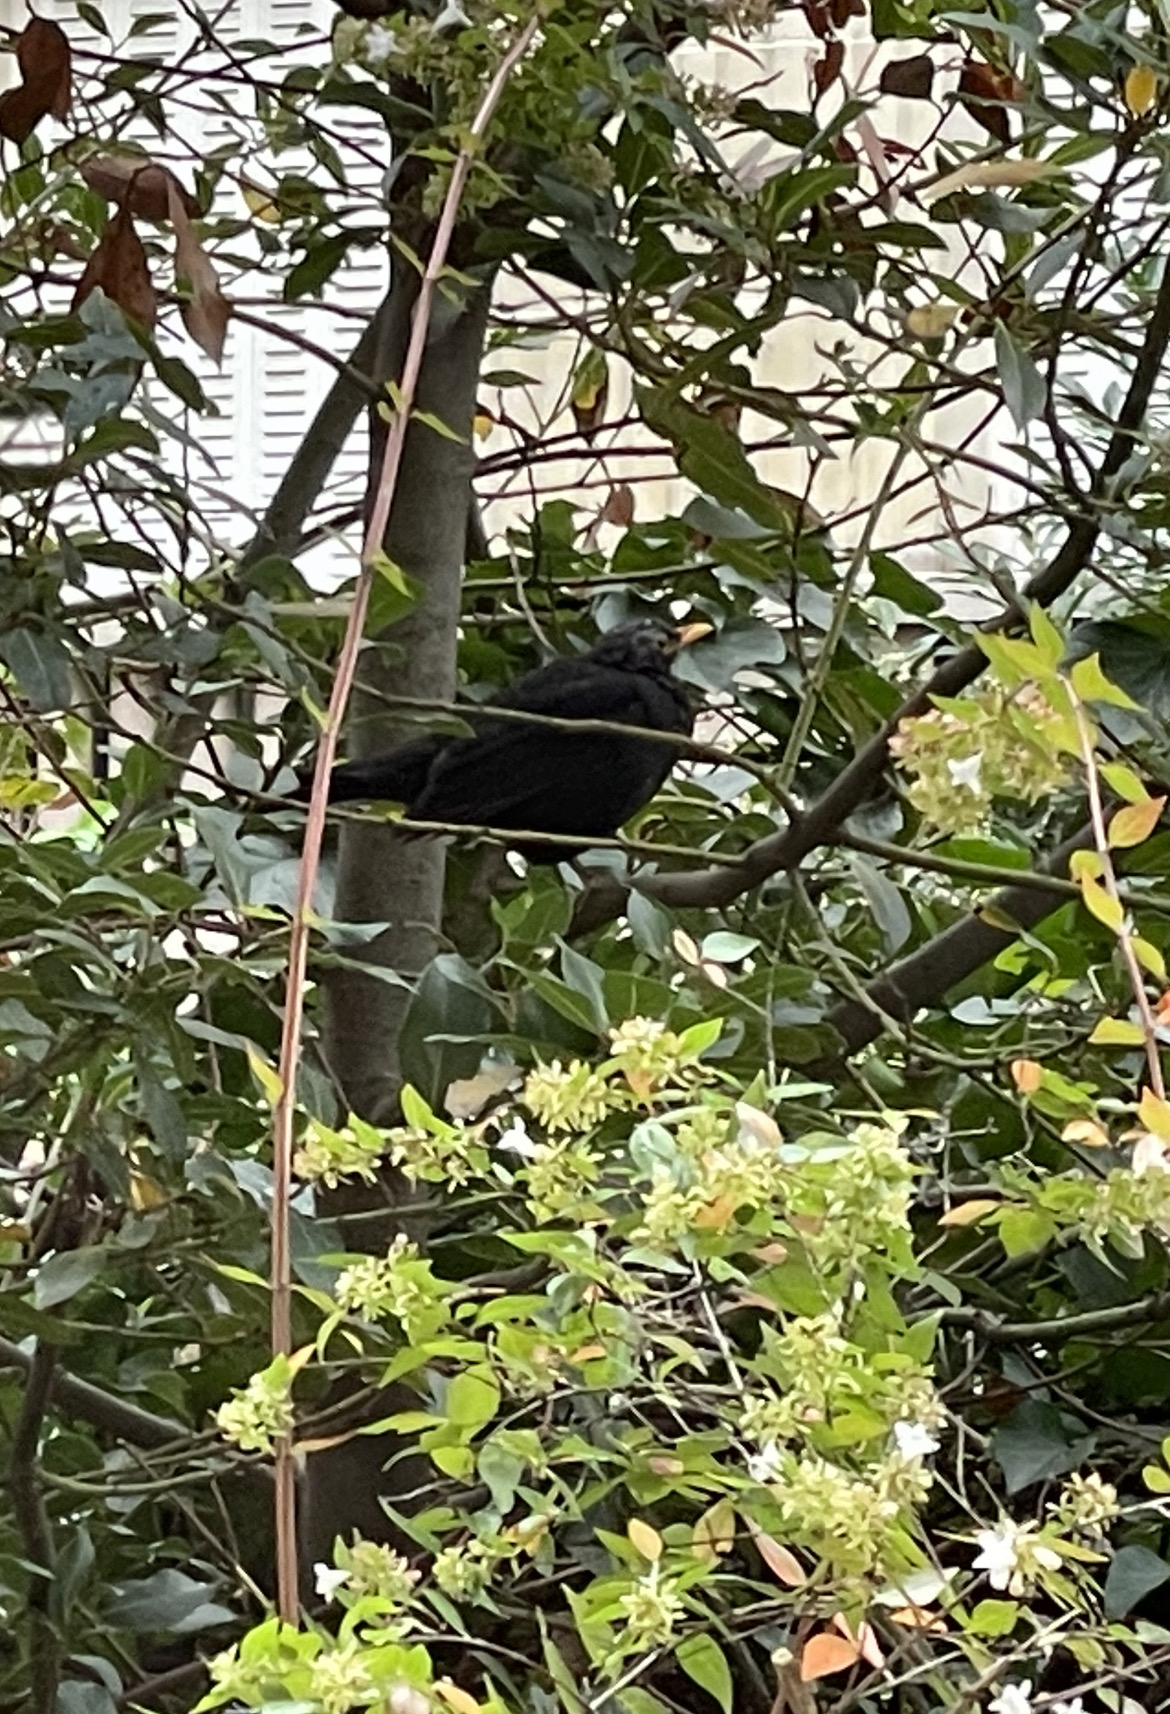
(283, 1123)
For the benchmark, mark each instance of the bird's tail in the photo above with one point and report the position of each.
(396, 777)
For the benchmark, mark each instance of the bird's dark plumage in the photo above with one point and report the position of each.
(515, 775)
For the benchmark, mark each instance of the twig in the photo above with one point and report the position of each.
(285, 1106)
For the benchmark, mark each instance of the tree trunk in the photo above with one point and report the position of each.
(382, 876)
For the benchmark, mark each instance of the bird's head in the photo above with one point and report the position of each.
(646, 645)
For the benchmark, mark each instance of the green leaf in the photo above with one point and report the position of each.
(885, 902)
(41, 667)
(1022, 1230)
(726, 948)
(1025, 392)
(892, 582)
(320, 260)
(1038, 1440)
(1135, 1571)
(472, 1400)
(994, 1618)
(67, 1273)
(168, 1600)
(1117, 1032)
(703, 1660)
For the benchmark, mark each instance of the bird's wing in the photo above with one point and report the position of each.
(516, 775)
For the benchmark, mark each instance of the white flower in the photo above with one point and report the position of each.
(327, 1581)
(1013, 1699)
(997, 1556)
(967, 772)
(452, 17)
(912, 1440)
(1149, 1155)
(381, 44)
(1076, 1706)
(517, 1141)
(766, 1465)
(405, 1699)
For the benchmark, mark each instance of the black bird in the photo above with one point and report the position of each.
(538, 779)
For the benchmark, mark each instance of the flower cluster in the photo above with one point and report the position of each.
(399, 1284)
(854, 1522)
(1087, 1505)
(651, 1609)
(968, 751)
(258, 1415)
(854, 1201)
(367, 1568)
(326, 1156)
(572, 1098)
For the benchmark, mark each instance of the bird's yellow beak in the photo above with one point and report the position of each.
(688, 634)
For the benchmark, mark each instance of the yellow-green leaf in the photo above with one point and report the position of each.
(1134, 823)
(714, 1532)
(1101, 904)
(1116, 1032)
(265, 1076)
(1091, 685)
(1123, 781)
(646, 1539)
(1045, 635)
(1149, 957)
(1154, 1114)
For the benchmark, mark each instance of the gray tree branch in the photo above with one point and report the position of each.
(926, 975)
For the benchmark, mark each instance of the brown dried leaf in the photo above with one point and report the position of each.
(42, 53)
(143, 183)
(119, 267)
(1027, 1075)
(44, 58)
(983, 92)
(467, 1097)
(912, 79)
(207, 313)
(818, 17)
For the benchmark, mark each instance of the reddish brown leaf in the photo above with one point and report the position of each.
(983, 92)
(119, 267)
(143, 183)
(42, 53)
(828, 69)
(207, 313)
(842, 10)
(912, 79)
(818, 17)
